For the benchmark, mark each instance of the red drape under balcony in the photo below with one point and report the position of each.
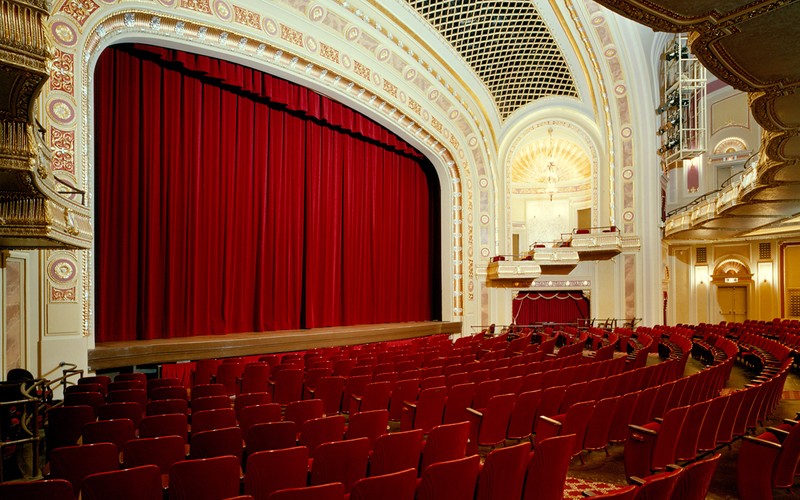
(531, 307)
(228, 200)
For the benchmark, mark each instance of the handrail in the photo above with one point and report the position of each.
(72, 189)
(694, 202)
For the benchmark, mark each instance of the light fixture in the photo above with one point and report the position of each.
(551, 175)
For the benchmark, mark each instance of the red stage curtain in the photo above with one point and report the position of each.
(228, 200)
(531, 308)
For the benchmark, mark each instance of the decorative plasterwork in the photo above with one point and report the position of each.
(529, 165)
(436, 118)
(507, 44)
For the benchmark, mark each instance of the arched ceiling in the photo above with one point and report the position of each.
(507, 44)
(529, 165)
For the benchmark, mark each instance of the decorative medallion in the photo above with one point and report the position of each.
(620, 89)
(62, 143)
(197, 6)
(311, 44)
(80, 10)
(626, 132)
(270, 26)
(317, 13)
(61, 74)
(61, 111)
(167, 3)
(472, 142)
(401, 95)
(628, 216)
(484, 219)
(62, 270)
(425, 114)
(64, 33)
(454, 114)
(410, 74)
(376, 79)
(222, 10)
(346, 62)
(383, 54)
(483, 182)
(610, 52)
(627, 174)
(485, 252)
(434, 94)
(352, 33)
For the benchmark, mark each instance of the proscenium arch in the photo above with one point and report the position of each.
(118, 28)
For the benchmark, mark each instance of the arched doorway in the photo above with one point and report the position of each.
(733, 279)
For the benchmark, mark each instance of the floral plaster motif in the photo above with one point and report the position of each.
(61, 73)
(329, 52)
(62, 295)
(79, 10)
(247, 17)
(62, 143)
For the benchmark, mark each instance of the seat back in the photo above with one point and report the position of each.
(618, 431)
(272, 470)
(228, 374)
(74, 463)
(130, 410)
(430, 409)
(210, 403)
(329, 390)
(162, 451)
(396, 486)
(217, 443)
(93, 399)
(503, 472)
(156, 383)
(255, 378)
(207, 389)
(166, 406)
(301, 411)
(404, 390)
(343, 462)
(251, 399)
(453, 480)
(207, 420)
(520, 424)
(258, 414)
(375, 397)
(204, 479)
(396, 452)
(331, 491)
(369, 424)
(51, 489)
(551, 401)
(169, 392)
(117, 431)
(126, 395)
(445, 442)
(288, 386)
(65, 425)
(459, 398)
(103, 380)
(271, 436)
(599, 425)
(136, 483)
(689, 435)
(170, 424)
(547, 470)
(667, 442)
(696, 478)
(659, 486)
(321, 430)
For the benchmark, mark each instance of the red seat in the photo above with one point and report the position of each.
(132, 411)
(157, 383)
(354, 385)
(459, 398)
(344, 462)
(207, 389)
(103, 380)
(255, 378)
(618, 432)
(213, 419)
(369, 424)
(600, 424)
(445, 442)
(288, 386)
(127, 395)
(488, 427)
(520, 423)
(217, 443)
(74, 463)
(210, 403)
(259, 414)
(272, 470)
(204, 479)
(229, 374)
(251, 399)
(166, 406)
(395, 486)
(626, 493)
(375, 397)
(696, 478)
(169, 392)
(271, 436)
(689, 435)
(170, 424)
(503, 473)
(135, 376)
(550, 402)
(547, 470)
(484, 391)
(65, 425)
(85, 388)
(658, 486)
(117, 431)
(451, 480)
(650, 448)
(573, 422)
(162, 451)
(301, 411)
(125, 385)
(404, 390)
(396, 452)
(204, 370)
(50, 489)
(329, 390)
(92, 399)
(332, 491)
(137, 483)
(768, 461)
(321, 430)
(642, 410)
(426, 412)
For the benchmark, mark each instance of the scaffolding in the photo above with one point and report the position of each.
(682, 112)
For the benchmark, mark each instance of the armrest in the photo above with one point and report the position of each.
(779, 433)
(660, 420)
(789, 421)
(311, 390)
(411, 405)
(673, 467)
(588, 493)
(551, 421)
(636, 480)
(643, 430)
(762, 442)
(475, 412)
(356, 397)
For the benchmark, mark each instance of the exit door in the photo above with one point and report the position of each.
(732, 302)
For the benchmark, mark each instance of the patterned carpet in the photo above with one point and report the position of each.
(575, 487)
(791, 394)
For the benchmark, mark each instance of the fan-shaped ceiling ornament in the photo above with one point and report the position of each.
(730, 145)
(530, 164)
(507, 44)
(732, 268)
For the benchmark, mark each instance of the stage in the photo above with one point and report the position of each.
(141, 352)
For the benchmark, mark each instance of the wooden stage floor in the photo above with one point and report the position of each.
(141, 352)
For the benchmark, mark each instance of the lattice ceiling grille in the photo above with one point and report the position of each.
(507, 44)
